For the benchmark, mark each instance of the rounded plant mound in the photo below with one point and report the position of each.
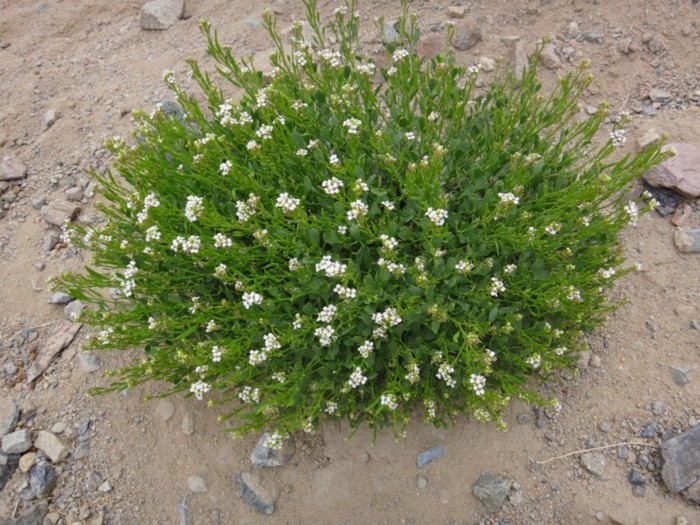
(356, 242)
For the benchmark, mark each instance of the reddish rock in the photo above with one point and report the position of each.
(680, 173)
(430, 46)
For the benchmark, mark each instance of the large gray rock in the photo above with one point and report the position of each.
(59, 211)
(680, 173)
(263, 456)
(594, 462)
(17, 442)
(11, 168)
(687, 241)
(42, 480)
(681, 469)
(51, 445)
(491, 491)
(466, 36)
(161, 14)
(9, 415)
(34, 516)
(256, 493)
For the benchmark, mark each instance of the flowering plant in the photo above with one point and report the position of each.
(356, 242)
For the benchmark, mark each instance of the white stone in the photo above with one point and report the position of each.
(17, 442)
(51, 445)
(161, 14)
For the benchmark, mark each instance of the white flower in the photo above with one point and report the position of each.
(366, 349)
(389, 401)
(358, 209)
(312, 143)
(342, 229)
(333, 160)
(445, 372)
(534, 361)
(478, 382)
(366, 69)
(473, 69)
(331, 268)
(216, 353)
(508, 198)
(560, 350)
(168, 76)
(413, 375)
(463, 266)
(345, 293)
(152, 234)
(294, 264)
(497, 286)
(399, 54)
(389, 317)
(190, 245)
(391, 71)
(632, 212)
(211, 326)
(249, 395)
(251, 298)
(255, 357)
(360, 186)
(252, 145)
(606, 274)
(261, 98)
(286, 203)
(280, 377)
(264, 131)
(618, 137)
(325, 335)
(437, 217)
(220, 271)
(245, 210)
(352, 125)
(199, 388)
(388, 205)
(331, 407)
(410, 135)
(298, 104)
(356, 378)
(193, 208)
(225, 167)
(271, 342)
(433, 116)
(327, 314)
(296, 324)
(195, 305)
(508, 269)
(388, 243)
(301, 152)
(552, 228)
(332, 186)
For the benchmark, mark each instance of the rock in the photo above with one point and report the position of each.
(256, 493)
(687, 241)
(421, 482)
(17, 442)
(525, 418)
(681, 464)
(10, 369)
(625, 46)
(59, 427)
(593, 462)
(549, 58)
(263, 456)
(456, 11)
(594, 36)
(466, 36)
(9, 414)
(11, 168)
(59, 211)
(682, 214)
(649, 431)
(49, 119)
(658, 408)
(49, 241)
(161, 14)
(650, 137)
(429, 455)
(605, 427)
(681, 375)
(74, 194)
(487, 64)
(636, 477)
(187, 425)
(430, 46)
(491, 491)
(660, 96)
(60, 298)
(655, 46)
(51, 445)
(595, 361)
(42, 480)
(104, 487)
(622, 451)
(572, 31)
(73, 309)
(682, 520)
(516, 55)
(8, 465)
(165, 409)
(639, 491)
(89, 362)
(27, 461)
(34, 516)
(197, 484)
(390, 31)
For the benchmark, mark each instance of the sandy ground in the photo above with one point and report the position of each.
(90, 61)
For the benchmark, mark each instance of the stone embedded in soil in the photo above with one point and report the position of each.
(11, 168)
(263, 456)
(516, 56)
(680, 173)
(34, 516)
(549, 58)
(390, 32)
(466, 36)
(49, 119)
(636, 477)
(165, 409)
(255, 492)
(88, 362)
(59, 211)
(8, 465)
(649, 138)
(197, 484)
(660, 96)
(27, 461)
(60, 298)
(187, 425)
(42, 480)
(430, 46)
(594, 36)
(681, 375)
(51, 445)
(491, 491)
(161, 14)
(429, 455)
(681, 464)
(649, 430)
(687, 241)
(9, 415)
(73, 310)
(593, 462)
(487, 64)
(17, 442)
(456, 11)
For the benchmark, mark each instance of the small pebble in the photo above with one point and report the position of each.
(658, 408)
(639, 491)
